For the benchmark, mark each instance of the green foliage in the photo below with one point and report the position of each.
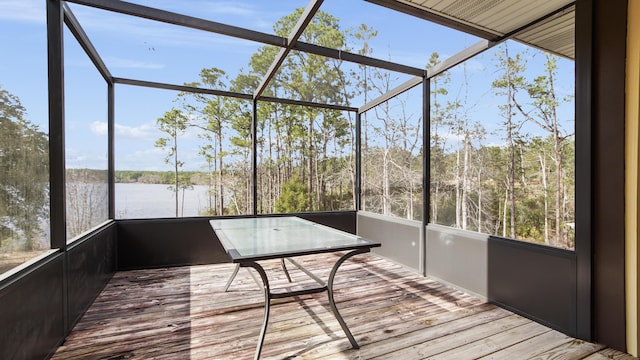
(24, 176)
(293, 198)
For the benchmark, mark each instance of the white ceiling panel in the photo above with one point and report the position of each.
(554, 33)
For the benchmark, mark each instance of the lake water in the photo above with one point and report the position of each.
(139, 201)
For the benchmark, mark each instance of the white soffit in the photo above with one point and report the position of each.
(555, 34)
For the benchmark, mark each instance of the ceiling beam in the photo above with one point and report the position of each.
(213, 92)
(405, 86)
(295, 34)
(184, 88)
(307, 103)
(168, 17)
(460, 57)
(358, 59)
(437, 69)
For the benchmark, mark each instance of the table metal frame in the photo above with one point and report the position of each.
(323, 286)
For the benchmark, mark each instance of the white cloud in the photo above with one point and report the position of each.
(99, 128)
(144, 131)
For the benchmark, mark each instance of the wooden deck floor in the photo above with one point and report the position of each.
(183, 313)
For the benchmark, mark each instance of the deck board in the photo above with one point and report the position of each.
(183, 313)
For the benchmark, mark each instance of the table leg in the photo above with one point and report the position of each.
(235, 273)
(332, 302)
(233, 276)
(328, 288)
(267, 305)
(284, 268)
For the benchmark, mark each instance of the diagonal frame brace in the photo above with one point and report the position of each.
(81, 36)
(293, 37)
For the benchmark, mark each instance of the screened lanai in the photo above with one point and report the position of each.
(470, 165)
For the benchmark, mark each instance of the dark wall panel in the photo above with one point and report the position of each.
(345, 221)
(166, 242)
(608, 155)
(583, 171)
(189, 241)
(91, 264)
(535, 281)
(32, 320)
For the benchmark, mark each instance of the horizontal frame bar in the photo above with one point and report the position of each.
(158, 85)
(460, 57)
(358, 59)
(307, 103)
(169, 17)
(406, 86)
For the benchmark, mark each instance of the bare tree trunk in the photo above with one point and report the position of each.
(386, 206)
(512, 156)
(319, 193)
(504, 213)
(479, 200)
(434, 205)
(352, 170)
(522, 167)
(543, 171)
(364, 145)
(260, 206)
(210, 187)
(184, 189)
(321, 172)
(465, 181)
(310, 162)
(176, 168)
(272, 171)
(220, 165)
(512, 186)
(557, 147)
(458, 192)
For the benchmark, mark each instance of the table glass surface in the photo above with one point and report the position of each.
(260, 237)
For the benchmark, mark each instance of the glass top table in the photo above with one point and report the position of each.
(249, 240)
(253, 239)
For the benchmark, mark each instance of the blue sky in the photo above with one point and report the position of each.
(145, 50)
